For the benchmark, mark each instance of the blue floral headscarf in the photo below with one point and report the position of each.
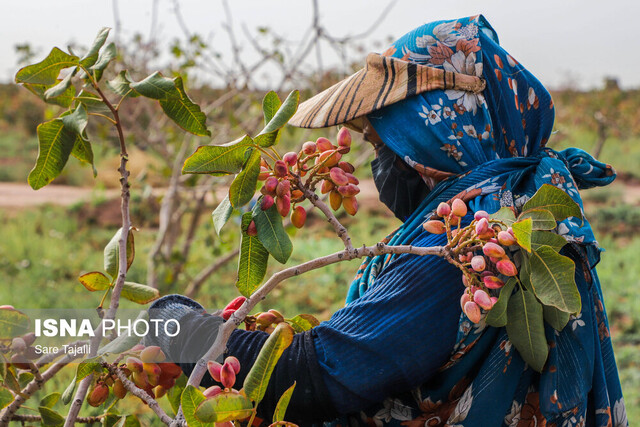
(492, 147)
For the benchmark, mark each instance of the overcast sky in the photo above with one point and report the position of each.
(576, 42)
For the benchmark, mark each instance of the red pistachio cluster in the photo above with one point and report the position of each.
(317, 162)
(480, 250)
(224, 374)
(149, 372)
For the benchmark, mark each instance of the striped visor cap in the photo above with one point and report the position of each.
(383, 81)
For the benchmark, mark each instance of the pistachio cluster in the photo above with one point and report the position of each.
(481, 250)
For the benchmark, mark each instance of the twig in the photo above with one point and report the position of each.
(138, 392)
(195, 285)
(38, 418)
(340, 229)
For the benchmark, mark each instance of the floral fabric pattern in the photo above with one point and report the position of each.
(489, 150)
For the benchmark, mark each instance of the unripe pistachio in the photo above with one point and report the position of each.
(506, 267)
(18, 345)
(270, 185)
(280, 169)
(338, 176)
(170, 369)
(279, 316)
(283, 205)
(290, 158)
(350, 204)
(482, 298)
(134, 364)
(214, 369)
(472, 310)
(492, 282)
(478, 263)
(488, 235)
(227, 375)
(265, 319)
(458, 208)
(346, 166)
(264, 173)
(283, 188)
(505, 238)
(159, 391)
(348, 190)
(482, 226)
(465, 298)
(212, 391)
(20, 362)
(252, 230)
(267, 202)
(140, 380)
(99, 395)
(344, 137)
(237, 302)
(29, 338)
(234, 362)
(493, 250)
(480, 214)
(434, 227)
(298, 216)
(153, 373)
(326, 186)
(454, 220)
(309, 147)
(335, 200)
(152, 354)
(296, 194)
(329, 158)
(344, 150)
(323, 144)
(494, 300)
(443, 209)
(352, 179)
(119, 390)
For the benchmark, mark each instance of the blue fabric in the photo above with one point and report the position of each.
(494, 143)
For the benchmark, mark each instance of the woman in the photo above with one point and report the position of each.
(401, 352)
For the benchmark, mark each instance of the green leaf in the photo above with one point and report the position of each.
(525, 328)
(121, 84)
(113, 420)
(224, 407)
(505, 214)
(184, 112)
(156, 86)
(255, 384)
(4, 364)
(5, 397)
(50, 417)
(95, 281)
(552, 278)
(522, 231)
(270, 105)
(11, 382)
(58, 89)
(46, 72)
(55, 142)
(267, 139)
(13, 323)
(541, 219)
(218, 159)
(303, 322)
(125, 341)
(284, 113)
(50, 400)
(243, 186)
(138, 293)
(252, 266)
(112, 253)
(174, 393)
(88, 367)
(497, 316)
(540, 238)
(77, 121)
(555, 200)
(63, 100)
(82, 151)
(107, 55)
(25, 378)
(92, 55)
(191, 399)
(67, 395)
(272, 234)
(222, 214)
(283, 403)
(556, 318)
